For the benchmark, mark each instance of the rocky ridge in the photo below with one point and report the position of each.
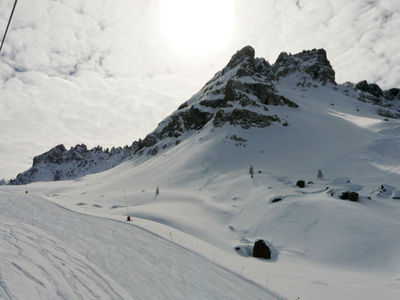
(388, 100)
(241, 95)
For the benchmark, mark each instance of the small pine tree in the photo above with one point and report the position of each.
(251, 171)
(157, 191)
(320, 175)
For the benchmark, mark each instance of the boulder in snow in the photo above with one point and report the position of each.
(352, 196)
(301, 183)
(261, 250)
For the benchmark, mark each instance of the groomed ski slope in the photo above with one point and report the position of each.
(49, 252)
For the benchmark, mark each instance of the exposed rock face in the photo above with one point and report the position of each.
(233, 96)
(244, 57)
(372, 88)
(54, 155)
(243, 118)
(313, 64)
(392, 94)
(244, 92)
(59, 163)
(388, 100)
(388, 113)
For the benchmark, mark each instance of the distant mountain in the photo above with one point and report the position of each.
(240, 95)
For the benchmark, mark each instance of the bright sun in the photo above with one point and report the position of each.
(197, 26)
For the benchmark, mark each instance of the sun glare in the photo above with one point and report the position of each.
(196, 26)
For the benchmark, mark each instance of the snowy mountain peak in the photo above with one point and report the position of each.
(54, 155)
(59, 163)
(246, 54)
(238, 95)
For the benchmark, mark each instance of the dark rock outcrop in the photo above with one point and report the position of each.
(261, 250)
(371, 88)
(60, 164)
(244, 83)
(388, 100)
(392, 94)
(54, 155)
(386, 113)
(244, 56)
(313, 63)
(243, 118)
(352, 196)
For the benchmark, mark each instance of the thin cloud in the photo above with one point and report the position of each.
(101, 72)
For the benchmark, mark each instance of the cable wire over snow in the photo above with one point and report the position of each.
(8, 25)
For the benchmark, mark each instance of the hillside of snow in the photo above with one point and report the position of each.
(288, 121)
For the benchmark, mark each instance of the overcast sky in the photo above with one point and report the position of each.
(106, 72)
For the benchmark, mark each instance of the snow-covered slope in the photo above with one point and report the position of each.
(36, 265)
(48, 252)
(287, 121)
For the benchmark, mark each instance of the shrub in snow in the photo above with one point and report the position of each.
(261, 250)
(251, 171)
(301, 183)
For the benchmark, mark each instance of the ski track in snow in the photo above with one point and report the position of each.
(4, 292)
(45, 263)
(144, 265)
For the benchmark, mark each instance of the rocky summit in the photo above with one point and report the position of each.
(244, 94)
